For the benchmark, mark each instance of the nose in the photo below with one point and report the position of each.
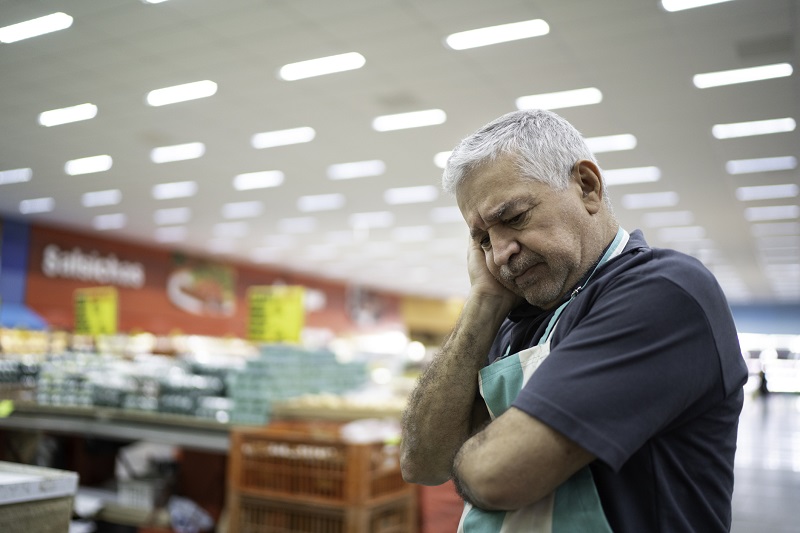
(504, 246)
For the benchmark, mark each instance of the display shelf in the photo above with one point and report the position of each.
(288, 411)
(118, 424)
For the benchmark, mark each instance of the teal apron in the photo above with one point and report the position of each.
(574, 507)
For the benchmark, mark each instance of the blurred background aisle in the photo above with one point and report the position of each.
(767, 490)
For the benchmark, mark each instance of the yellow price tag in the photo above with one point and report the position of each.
(6, 408)
(96, 311)
(275, 313)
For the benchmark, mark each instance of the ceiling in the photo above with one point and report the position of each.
(641, 57)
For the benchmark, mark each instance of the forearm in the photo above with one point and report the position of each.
(438, 418)
(514, 462)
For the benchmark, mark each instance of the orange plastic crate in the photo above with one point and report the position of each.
(260, 515)
(310, 463)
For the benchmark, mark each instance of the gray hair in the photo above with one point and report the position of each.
(546, 148)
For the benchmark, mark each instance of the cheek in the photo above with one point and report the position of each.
(488, 258)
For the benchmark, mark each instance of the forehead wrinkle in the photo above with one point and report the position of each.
(495, 215)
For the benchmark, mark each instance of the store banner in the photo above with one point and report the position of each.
(96, 311)
(202, 288)
(276, 313)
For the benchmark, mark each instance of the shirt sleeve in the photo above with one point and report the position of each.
(641, 353)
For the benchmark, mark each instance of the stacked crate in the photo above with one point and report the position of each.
(300, 478)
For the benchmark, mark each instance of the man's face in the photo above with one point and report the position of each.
(533, 236)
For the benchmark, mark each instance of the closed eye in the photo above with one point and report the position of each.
(517, 219)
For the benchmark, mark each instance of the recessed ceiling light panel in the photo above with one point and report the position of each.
(181, 93)
(65, 115)
(88, 165)
(561, 99)
(413, 119)
(321, 66)
(35, 27)
(501, 33)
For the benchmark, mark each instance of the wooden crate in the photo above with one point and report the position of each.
(313, 464)
(264, 515)
(300, 477)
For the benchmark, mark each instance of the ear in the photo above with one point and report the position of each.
(587, 175)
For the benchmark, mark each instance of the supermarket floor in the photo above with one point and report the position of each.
(766, 496)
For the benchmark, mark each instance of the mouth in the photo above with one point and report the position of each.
(527, 276)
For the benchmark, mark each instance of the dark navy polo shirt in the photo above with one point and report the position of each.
(645, 372)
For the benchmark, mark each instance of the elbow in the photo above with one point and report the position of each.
(488, 492)
(492, 489)
(421, 472)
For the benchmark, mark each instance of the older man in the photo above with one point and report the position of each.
(591, 383)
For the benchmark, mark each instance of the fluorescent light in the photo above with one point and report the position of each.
(265, 255)
(110, 221)
(177, 152)
(679, 5)
(624, 176)
(66, 115)
(320, 252)
(414, 119)
(775, 228)
(340, 237)
(258, 180)
(171, 234)
(650, 200)
(788, 254)
(321, 66)
(611, 143)
(440, 159)
(181, 93)
(756, 127)
(101, 198)
(379, 249)
(231, 229)
(36, 205)
(668, 218)
(17, 175)
(411, 195)
(270, 139)
(773, 212)
(297, 225)
(781, 241)
(373, 219)
(221, 246)
(153, 1)
(764, 164)
(741, 75)
(249, 209)
(175, 189)
(783, 270)
(446, 214)
(684, 233)
(88, 165)
(561, 99)
(279, 241)
(173, 215)
(412, 233)
(320, 202)
(35, 27)
(357, 169)
(767, 192)
(497, 34)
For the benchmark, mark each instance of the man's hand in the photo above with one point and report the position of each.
(483, 283)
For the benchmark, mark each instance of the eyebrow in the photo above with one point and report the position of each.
(497, 214)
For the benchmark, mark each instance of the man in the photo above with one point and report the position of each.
(591, 383)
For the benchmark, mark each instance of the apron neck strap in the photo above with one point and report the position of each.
(614, 249)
